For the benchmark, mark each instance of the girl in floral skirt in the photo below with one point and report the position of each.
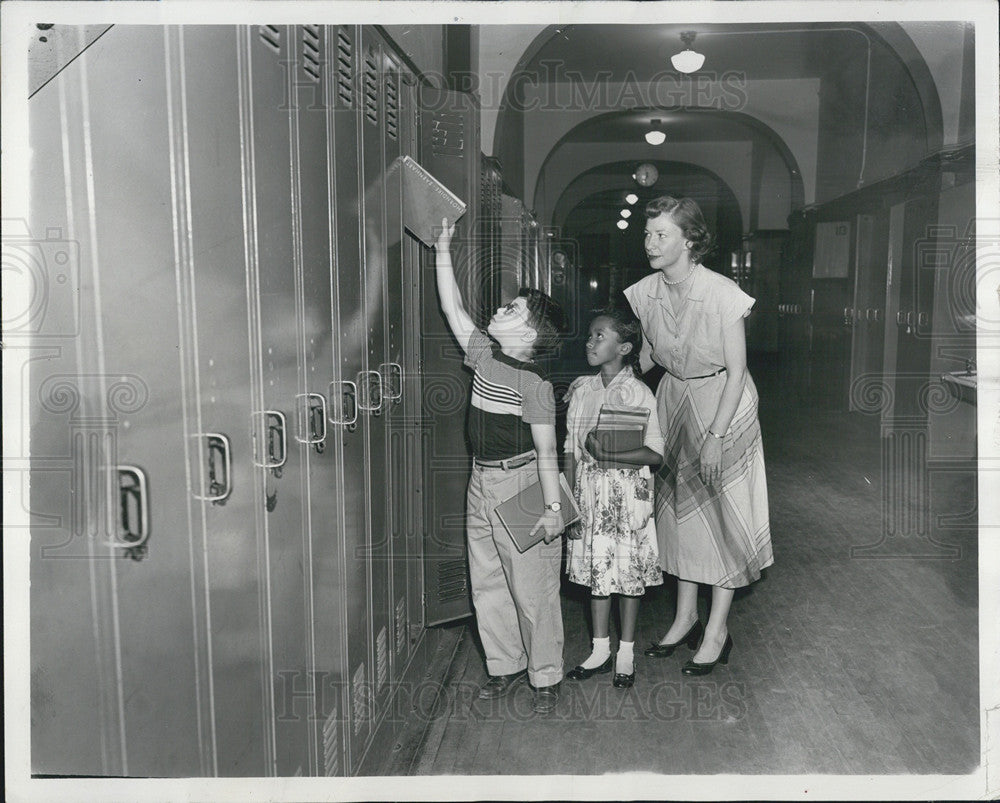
(614, 548)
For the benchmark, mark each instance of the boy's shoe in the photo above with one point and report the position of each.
(546, 699)
(499, 685)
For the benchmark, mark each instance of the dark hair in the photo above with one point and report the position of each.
(628, 329)
(686, 214)
(546, 318)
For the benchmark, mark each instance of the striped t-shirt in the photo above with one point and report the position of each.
(508, 395)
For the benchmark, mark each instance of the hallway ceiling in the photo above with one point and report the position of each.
(762, 51)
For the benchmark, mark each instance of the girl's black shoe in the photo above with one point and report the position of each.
(579, 673)
(692, 668)
(623, 681)
(691, 638)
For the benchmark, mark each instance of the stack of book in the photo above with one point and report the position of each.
(622, 429)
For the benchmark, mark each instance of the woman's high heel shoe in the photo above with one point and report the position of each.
(692, 668)
(691, 638)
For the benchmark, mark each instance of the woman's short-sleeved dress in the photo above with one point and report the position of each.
(717, 534)
(617, 551)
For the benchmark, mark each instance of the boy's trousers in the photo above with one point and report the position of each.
(516, 595)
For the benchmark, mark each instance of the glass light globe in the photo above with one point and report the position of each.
(623, 224)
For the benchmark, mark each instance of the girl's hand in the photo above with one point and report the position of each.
(444, 237)
(710, 460)
(593, 446)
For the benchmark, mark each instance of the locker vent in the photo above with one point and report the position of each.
(400, 624)
(382, 660)
(448, 134)
(371, 86)
(310, 52)
(270, 35)
(360, 698)
(331, 745)
(452, 580)
(391, 105)
(345, 68)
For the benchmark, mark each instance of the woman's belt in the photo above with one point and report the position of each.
(689, 378)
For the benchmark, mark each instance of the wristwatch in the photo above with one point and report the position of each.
(555, 507)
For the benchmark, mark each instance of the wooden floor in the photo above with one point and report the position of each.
(851, 655)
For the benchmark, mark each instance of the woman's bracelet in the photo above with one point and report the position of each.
(720, 437)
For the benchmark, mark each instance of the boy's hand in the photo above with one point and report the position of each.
(552, 522)
(444, 237)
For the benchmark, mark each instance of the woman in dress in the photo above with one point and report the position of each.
(711, 492)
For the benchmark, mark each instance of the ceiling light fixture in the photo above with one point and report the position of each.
(687, 60)
(631, 198)
(655, 136)
(623, 224)
(626, 213)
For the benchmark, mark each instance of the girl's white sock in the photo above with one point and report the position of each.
(602, 649)
(624, 662)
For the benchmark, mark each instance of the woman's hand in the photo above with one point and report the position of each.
(710, 460)
(445, 235)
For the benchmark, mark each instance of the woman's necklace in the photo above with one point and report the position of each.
(686, 275)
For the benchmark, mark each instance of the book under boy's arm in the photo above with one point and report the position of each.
(449, 296)
(544, 437)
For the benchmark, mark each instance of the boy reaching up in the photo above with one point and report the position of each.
(511, 428)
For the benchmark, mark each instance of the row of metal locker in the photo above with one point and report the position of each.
(243, 514)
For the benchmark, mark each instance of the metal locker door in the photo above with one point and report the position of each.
(208, 95)
(413, 393)
(73, 638)
(371, 124)
(449, 149)
(114, 106)
(277, 296)
(314, 154)
(393, 372)
(351, 289)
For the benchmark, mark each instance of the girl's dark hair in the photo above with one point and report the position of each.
(628, 329)
(686, 215)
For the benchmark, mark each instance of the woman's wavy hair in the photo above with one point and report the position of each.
(687, 216)
(628, 329)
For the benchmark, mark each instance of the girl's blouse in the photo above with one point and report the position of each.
(589, 394)
(688, 342)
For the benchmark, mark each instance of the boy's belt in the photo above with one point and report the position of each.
(507, 463)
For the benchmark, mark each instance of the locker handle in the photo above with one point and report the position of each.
(393, 387)
(132, 487)
(348, 389)
(909, 318)
(307, 421)
(368, 394)
(922, 318)
(219, 490)
(274, 424)
(899, 318)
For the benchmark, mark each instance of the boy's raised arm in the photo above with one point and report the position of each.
(448, 293)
